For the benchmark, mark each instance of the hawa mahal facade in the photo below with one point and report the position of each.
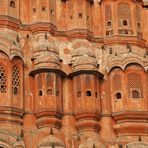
(73, 74)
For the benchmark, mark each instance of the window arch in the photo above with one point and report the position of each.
(15, 80)
(124, 13)
(135, 89)
(58, 85)
(88, 80)
(78, 86)
(2, 79)
(138, 17)
(39, 79)
(79, 94)
(49, 80)
(49, 92)
(135, 94)
(117, 82)
(108, 15)
(88, 93)
(12, 4)
(40, 93)
(118, 96)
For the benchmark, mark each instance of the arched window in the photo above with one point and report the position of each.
(96, 94)
(109, 24)
(78, 82)
(118, 95)
(135, 94)
(49, 92)
(57, 93)
(124, 14)
(40, 93)
(49, 80)
(138, 17)
(15, 80)
(117, 82)
(15, 91)
(58, 85)
(108, 15)
(135, 89)
(2, 80)
(88, 93)
(39, 79)
(88, 81)
(79, 94)
(12, 4)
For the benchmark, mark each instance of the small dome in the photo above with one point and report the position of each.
(85, 62)
(83, 59)
(46, 54)
(47, 60)
(43, 44)
(50, 140)
(82, 51)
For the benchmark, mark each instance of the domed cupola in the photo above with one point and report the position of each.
(43, 44)
(46, 54)
(83, 59)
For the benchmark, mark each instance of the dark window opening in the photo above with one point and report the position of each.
(49, 92)
(109, 24)
(40, 93)
(88, 93)
(43, 8)
(120, 146)
(71, 17)
(87, 17)
(15, 91)
(79, 94)
(12, 4)
(51, 11)
(124, 23)
(96, 94)
(118, 95)
(34, 10)
(57, 93)
(135, 94)
(138, 25)
(80, 15)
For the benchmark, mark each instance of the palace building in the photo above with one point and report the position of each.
(73, 73)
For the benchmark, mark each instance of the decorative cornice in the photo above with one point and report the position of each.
(36, 71)
(94, 72)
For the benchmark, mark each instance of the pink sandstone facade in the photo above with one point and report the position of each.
(73, 74)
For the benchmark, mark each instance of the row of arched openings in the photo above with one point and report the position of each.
(88, 81)
(130, 81)
(124, 17)
(15, 80)
(52, 84)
